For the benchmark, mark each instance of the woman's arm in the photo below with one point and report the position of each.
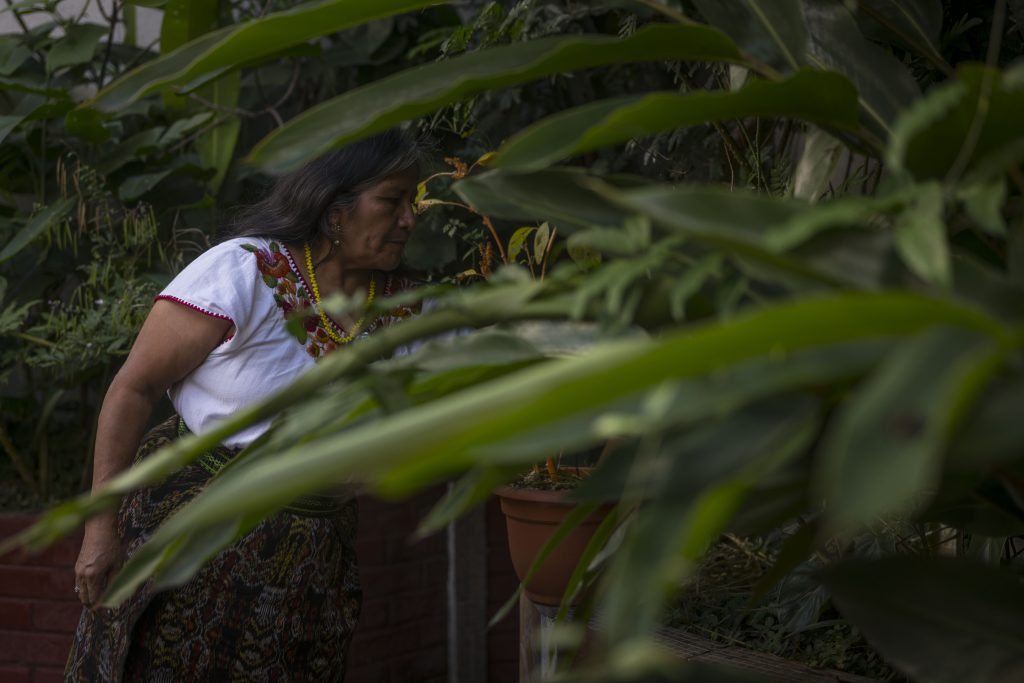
(173, 341)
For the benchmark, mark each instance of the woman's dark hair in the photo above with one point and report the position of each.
(298, 206)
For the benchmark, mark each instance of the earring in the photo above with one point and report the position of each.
(337, 228)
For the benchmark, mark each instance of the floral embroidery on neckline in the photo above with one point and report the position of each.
(279, 271)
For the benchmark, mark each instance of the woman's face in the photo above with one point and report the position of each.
(373, 233)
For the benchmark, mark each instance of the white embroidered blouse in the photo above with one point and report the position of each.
(254, 283)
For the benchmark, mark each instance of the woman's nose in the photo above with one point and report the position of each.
(408, 218)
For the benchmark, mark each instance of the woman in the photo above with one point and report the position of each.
(282, 602)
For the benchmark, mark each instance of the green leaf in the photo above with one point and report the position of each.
(750, 225)
(540, 242)
(884, 453)
(885, 85)
(76, 47)
(9, 123)
(691, 281)
(216, 147)
(518, 240)
(921, 237)
(771, 31)
(420, 90)
(86, 124)
(405, 444)
(914, 24)
(13, 54)
(983, 202)
(39, 224)
(559, 195)
(136, 186)
(969, 127)
(824, 98)
(705, 475)
(228, 47)
(924, 613)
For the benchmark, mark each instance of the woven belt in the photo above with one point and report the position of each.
(213, 461)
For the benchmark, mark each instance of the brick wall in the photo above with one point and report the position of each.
(503, 638)
(38, 608)
(402, 630)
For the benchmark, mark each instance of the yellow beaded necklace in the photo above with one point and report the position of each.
(323, 316)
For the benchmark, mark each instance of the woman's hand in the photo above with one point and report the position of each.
(98, 560)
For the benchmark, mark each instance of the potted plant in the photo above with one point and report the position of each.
(535, 506)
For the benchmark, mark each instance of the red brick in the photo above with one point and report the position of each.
(60, 617)
(15, 614)
(47, 675)
(387, 645)
(502, 672)
(369, 672)
(389, 581)
(375, 614)
(37, 582)
(416, 607)
(14, 522)
(14, 674)
(425, 665)
(371, 552)
(34, 648)
(433, 630)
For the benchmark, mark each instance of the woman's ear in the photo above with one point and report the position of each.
(338, 216)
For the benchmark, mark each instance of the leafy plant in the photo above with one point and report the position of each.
(850, 353)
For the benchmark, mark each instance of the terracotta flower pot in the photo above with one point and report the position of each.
(531, 517)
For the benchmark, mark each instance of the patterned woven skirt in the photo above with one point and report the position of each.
(280, 604)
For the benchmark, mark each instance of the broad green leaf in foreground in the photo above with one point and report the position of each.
(885, 452)
(705, 475)
(819, 97)
(231, 46)
(939, 620)
(969, 126)
(742, 223)
(478, 417)
(558, 194)
(423, 89)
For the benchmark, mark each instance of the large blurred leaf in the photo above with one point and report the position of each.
(411, 93)
(939, 620)
(704, 478)
(558, 194)
(968, 126)
(994, 435)
(885, 85)
(771, 31)
(885, 452)
(231, 46)
(815, 96)
(409, 444)
(921, 237)
(755, 227)
(76, 47)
